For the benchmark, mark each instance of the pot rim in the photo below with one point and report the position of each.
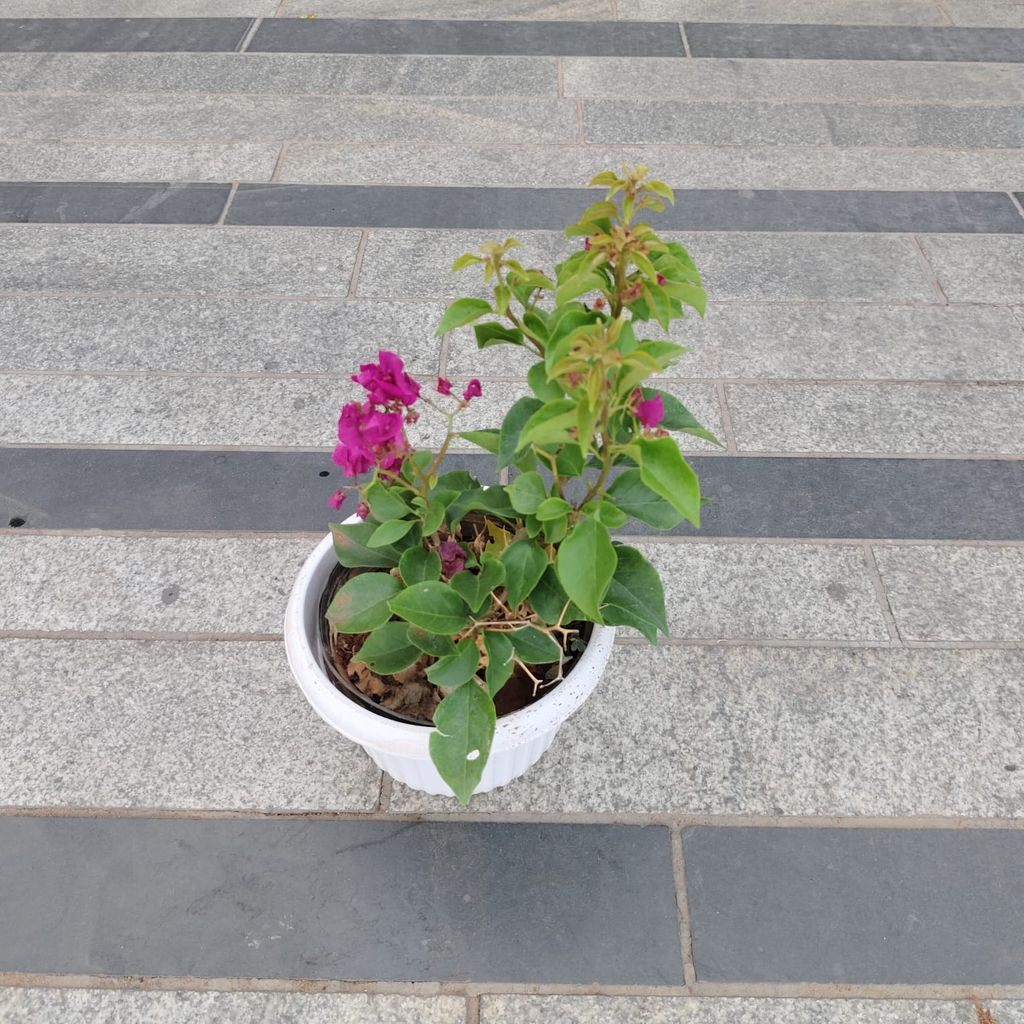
(367, 727)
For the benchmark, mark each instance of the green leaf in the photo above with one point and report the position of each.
(550, 424)
(465, 722)
(499, 660)
(635, 596)
(456, 480)
(555, 529)
(353, 551)
(570, 460)
(461, 312)
(609, 514)
(417, 564)
(432, 605)
(534, 647)
(475, 587)
(433, 515)
(385, 503)
(527, 491)
(496, 334)
(524, 565)
(579, 285)
(467, 259)
(546, 390)
(492, 499)
(387, 533)
(585, 565)
(636, 499)
(430, 643)
(667, 473)
(486, 439)
(552, 508)
(387, 649)
(678, 417)
(511, 426)
(362, 603)
(549, 598)
(458, 668)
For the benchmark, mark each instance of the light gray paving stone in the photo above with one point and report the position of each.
(530, 10)
(978, 269)
(158, 724)
(198, 117)
(954, 593)
(121, 1006)
(219, 335)
(766, 591)
(794, 81)
(682, 167)
(497, 1009)
(269, 261)
(787, 12)
(997, 13)
(279, 74)
(735, 265)
(61, 161)
(150, 584)
(732, 124)
(781, 731)
(815, 341)
(887, 418)
(137, 8)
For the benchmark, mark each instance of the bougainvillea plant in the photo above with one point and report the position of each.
(474, 583)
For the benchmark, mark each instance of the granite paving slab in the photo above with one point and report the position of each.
(281, 74)
(111, 203)
(855, 42)
(346, 900)
(167, 724)
(782, 731)
(121, 34)
(978, 270)
(978, 12)
(138, 8)
(868, 906)
(205, 117)
(422, 35)
(886, 418)
(954, 593)
(177, 259)
(789, 12)
(105, 1006)
(701, 209)
(580, 10)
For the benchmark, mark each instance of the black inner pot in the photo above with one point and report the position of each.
(509, 698)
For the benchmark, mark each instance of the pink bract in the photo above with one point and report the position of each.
(453, 558)
(650, 412)
(386, 380)
(473, 390)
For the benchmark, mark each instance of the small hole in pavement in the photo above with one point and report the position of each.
(324, 472)
(1010, 767)
(16, 521)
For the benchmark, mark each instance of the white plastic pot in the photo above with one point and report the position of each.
(400, 748)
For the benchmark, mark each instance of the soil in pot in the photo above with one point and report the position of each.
(409, 696)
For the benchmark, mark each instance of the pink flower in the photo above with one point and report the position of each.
(368, 437)
(473, 390)
(337, 499)
(444, 386)
(453, 558)
(362, 510)
(353, 461)
(650, 412)
(661, 280)
(586, 245)
(386, 381)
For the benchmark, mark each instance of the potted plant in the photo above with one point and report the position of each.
(448, 627)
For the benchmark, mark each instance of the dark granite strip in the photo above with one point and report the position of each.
(913, 499)
(140, 35)
(855, 42)
(503, 38)
(67, 488)
(102, 203)
(856, 906)
(339, 900)
(697, 209)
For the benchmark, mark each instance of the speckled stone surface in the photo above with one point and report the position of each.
(767, 591)
(268, 261)
(281, 74)
(978, 269)
(887, 418)
(166, 724)
(782, 731)
(200, 117)
(499, 1009)
(954, 593)
(161, 584)
(105, 1006)
(560, 10)
(789, 12)
(215, 335)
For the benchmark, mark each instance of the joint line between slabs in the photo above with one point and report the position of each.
(357, 265)
(882, 594)
(686, 42)
(275, 174)
(926, 264)
(682, 908)
(249, 33)
(227, 204)
(1016, 203)
(472, 1009)
(726, 414)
